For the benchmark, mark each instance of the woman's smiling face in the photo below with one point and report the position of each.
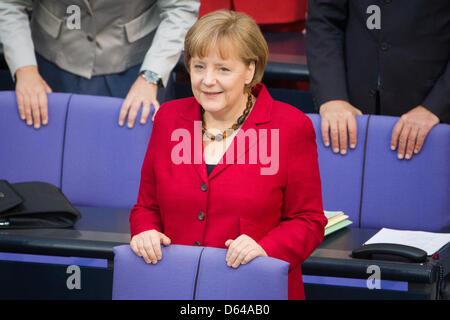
(218, 82)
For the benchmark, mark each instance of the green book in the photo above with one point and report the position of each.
(337, 226)
(332, 214)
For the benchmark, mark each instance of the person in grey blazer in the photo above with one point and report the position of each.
(97, 47)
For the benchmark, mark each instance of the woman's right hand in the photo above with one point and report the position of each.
(147, 244)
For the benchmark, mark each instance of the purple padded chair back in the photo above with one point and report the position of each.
(172, 278)
(406, 194)
(341, 175)
(102, 161)
(196, 273)
(263, 278)
(27, 154)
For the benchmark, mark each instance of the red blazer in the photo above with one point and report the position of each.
(262, 11)
(282, 210)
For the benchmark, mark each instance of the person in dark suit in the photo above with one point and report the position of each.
(206, 178)
(387, 57)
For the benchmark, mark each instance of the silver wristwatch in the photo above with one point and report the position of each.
(152, 77)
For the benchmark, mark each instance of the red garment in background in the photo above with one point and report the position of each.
(272, 16)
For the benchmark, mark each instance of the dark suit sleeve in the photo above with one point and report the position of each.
(325, 29)
(438, 101)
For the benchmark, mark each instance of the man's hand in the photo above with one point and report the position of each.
(410, 131)
(141, 93)
(31, 93)
(339, 118)
(242, 250)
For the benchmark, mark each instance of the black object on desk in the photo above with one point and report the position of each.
(334, 258)
(390, 251)
(91, 241)
(93, 236)
(35, 205)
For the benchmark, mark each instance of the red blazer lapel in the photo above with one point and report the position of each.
(190, 120)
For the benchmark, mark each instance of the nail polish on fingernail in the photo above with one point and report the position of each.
(352, 146)
(327, 144)
(407, 157)
(392, 148)
(343, 152)
(416, 151)
(400, 156)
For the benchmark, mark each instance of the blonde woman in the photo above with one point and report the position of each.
(230, 167)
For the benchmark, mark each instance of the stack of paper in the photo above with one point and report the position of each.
(336, 220)
(430, 242)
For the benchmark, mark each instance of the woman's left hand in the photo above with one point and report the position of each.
(242, 250)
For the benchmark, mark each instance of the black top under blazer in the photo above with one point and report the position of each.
(405, 62)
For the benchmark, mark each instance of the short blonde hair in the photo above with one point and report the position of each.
(221, 29)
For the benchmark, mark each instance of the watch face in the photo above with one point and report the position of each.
(151, 77)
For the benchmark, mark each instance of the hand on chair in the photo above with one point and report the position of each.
(409, 133)
(339, 119)
(242, 250)
(31, 94)
(141, 93)
(147, 244)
